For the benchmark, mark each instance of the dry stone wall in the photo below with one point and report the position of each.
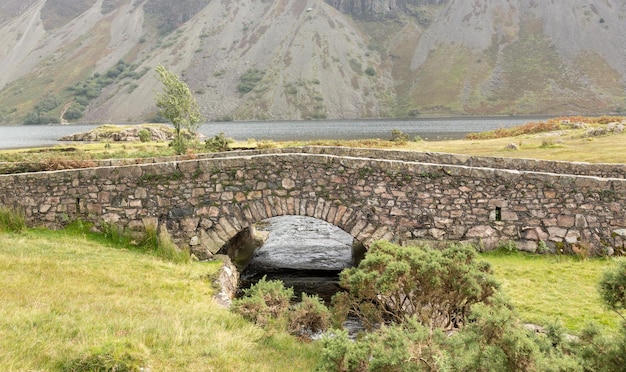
(205, 202)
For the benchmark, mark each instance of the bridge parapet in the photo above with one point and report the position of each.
(605, 170)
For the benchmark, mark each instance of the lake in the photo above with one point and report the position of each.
(23, 136)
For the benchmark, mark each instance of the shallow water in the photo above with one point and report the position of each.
(305, 253)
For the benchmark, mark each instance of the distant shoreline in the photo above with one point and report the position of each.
(431, 128)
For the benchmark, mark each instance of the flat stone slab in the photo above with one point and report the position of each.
(620, 232)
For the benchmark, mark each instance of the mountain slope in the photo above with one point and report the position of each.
(539, 55)
(92, 60)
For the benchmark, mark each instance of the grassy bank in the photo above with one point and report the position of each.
(548, 289)
(66, 298)
(544, 140)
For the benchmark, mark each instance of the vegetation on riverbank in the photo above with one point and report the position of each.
(432, 310)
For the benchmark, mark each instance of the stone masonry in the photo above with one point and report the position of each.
(205, 202)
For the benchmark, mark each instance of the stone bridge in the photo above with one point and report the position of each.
(371, 194)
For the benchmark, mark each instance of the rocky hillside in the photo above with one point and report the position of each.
(93, 60)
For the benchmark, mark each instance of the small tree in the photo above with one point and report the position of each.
(177, 105)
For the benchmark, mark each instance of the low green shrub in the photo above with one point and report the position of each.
(600, 352)
(218, 143)
(179, 145)
(394, 283)
(269, 305)
(508, 246)
(413, 294)
(406, 347)
(310, 315)
(433, 310)
(613, 288)
(399, 136)
(145, 135)
(493, 341)
(265, 302)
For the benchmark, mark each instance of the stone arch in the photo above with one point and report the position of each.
(213, 233)
(287, 233)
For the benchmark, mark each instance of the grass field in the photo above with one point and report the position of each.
(66, 297)
(555, 289)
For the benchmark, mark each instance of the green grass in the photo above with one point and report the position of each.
(65, 295)
(548, 289)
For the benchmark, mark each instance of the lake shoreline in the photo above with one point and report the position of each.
(429, 129)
